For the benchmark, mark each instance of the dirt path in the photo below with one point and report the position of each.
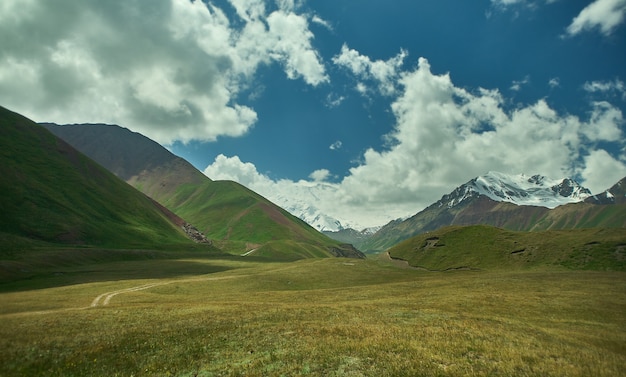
(105, 298)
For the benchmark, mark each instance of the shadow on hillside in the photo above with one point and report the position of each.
(57, 271)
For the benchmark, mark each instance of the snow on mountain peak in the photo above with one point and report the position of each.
(520, 189)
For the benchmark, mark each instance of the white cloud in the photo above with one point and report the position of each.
(384, 73)
(249, 9)
(444, 136)
(554, 82)
(334, 100)
(233, 169)
(320, 175)
(286, 5)
(607, 15)
(517, 85)
(615, 86)
(336, 145)
(505, 5)
(292, 41)
(170, 69)
(320, 21)
(601, 170)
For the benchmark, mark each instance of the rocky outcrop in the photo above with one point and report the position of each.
(346, 251)
(197, 236)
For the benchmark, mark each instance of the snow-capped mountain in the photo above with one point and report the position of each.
(536, 190)
(518, 202)
(301, 199)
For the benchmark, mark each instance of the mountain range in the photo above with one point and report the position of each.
(103, 185)
(228, 213)
(514, 202)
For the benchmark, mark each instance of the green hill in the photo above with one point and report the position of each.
(486, 247)
(236, 218)
(53, 194)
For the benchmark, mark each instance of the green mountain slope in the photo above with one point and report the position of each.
(51, 193)
(237, 218)
(485, 247)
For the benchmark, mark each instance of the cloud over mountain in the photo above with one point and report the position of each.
(445, 134)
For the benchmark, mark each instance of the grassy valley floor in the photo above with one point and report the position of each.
(210, 316)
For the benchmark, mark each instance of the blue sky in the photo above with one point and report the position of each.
(363, 111)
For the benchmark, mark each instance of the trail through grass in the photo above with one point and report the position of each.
(331, 317)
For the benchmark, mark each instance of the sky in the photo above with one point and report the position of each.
(364, 111)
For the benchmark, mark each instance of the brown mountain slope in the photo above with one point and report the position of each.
(482, 210)
(223, 210)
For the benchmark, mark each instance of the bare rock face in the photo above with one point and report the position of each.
(197, 236)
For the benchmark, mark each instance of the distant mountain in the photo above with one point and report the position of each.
(518, 189)
(614, 195)
(236, 217)
(51, 193)
(516, 202)
(351, 236)
(299, 203)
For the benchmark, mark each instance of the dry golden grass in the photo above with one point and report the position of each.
(328, 317)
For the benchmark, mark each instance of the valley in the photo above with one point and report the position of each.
(209, 316)
(138, 264)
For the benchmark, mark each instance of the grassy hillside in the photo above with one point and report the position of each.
(485, 247)
(235, 217)
(54, 194)
(583, 215)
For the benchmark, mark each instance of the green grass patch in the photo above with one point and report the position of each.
(333, 317)
(485, 247)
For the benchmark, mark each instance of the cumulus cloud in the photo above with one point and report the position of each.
(383, 73)
(445, 135)
(233, 169)
(601, 169)
(170, 69)
(320, 175)
(606, 15)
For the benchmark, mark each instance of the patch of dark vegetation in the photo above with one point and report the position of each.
(346, 251)
(462, 268)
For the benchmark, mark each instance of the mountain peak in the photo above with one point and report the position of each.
(520, 189)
